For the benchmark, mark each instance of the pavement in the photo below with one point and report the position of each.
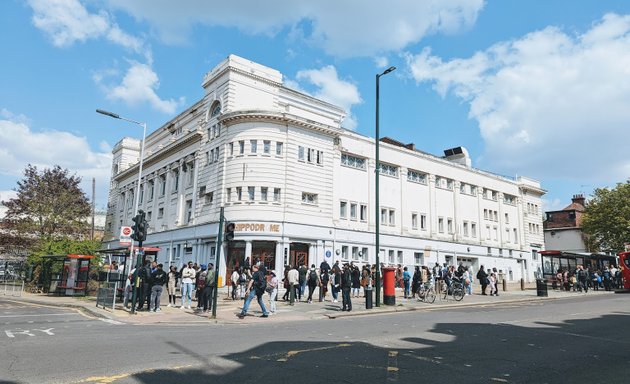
(227, 309)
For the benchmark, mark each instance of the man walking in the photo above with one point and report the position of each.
(294, 279)
(256, 287)
(158, 279)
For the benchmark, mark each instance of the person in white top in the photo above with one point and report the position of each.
(188, 277)
(234, 279)
(294, 283)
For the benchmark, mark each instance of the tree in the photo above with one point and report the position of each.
(606, 220)
(50, 206)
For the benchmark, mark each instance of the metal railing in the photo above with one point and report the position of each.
(11, 286)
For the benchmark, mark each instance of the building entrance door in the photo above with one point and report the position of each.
(298, 254)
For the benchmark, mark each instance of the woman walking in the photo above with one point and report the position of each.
(272, 288)
(171, 285)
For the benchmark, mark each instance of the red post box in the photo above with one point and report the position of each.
(624, 264)
(389, 281)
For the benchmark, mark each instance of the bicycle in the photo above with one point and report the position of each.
(456, 290)
(426, 293)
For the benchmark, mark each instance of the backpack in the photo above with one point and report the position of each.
(243, 278)
(261, 284)
(312, 277)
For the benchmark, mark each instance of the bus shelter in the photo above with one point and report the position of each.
(66, 275)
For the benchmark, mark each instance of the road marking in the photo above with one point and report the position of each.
(26, 332)
(293, 353)
(110, 321)
(392, 367)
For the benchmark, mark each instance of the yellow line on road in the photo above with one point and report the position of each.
(113, 378)
(294, 353)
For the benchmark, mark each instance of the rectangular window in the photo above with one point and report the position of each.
(473, 229)
(400, 257)
(364, 254)
(151, 188)
(141, 193)
(160, 213)
(507, 219)
(416, 176)
(251, 191)
(352, 161)
(266, 146)
(414, 221)
(515, 236)
(465, 228)
(309, 198)
(353, 211)
(310, 155)
(449, 225)
(279, 148)
(209, 197)
(301, 153)
(343, 209)
(392, 217)
(488, 232)
(276, 195)
(485, 214)
(231, 149)
(253, 146)
(149, 215)
(423, 222)
(216, 155)
(489, 251)
(263, 193)
(391, 256)
(496, 233)
(228, 194)
(188, 211)
(496, 216)
(344, 252)
(418, 258)
(440, 224)
(389, 170)
(239, 193)
(191, 174)
(175, 180)
(363, 213)
(355, 253)
(320, 157)
(507, 235)
(241, 147)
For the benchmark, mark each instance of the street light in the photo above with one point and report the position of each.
(137, 197)
(377, 204)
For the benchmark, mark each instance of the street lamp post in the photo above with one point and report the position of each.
(377, 204)
(137, 197)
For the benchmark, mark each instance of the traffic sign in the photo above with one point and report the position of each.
(125, 236)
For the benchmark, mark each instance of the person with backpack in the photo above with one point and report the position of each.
(208, 288)
(482, 276)
(255, 288)
(158, 279)
(313, 281)
(200, 285)
(323, 289)
(144, 293)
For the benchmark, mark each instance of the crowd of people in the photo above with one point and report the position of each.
(300, 283)
(582, 279)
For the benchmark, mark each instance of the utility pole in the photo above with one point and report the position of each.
(216, 265)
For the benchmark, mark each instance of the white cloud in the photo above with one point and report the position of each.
(547, 104)
(349, 28)
(20, 146)
(333, 90)
(68, 21)
(138, 86)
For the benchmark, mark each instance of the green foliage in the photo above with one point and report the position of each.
(64, 247)
(606, 219)
(49, 204)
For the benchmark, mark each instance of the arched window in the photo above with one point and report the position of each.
(215, 109)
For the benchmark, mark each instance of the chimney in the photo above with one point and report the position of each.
(578, 199)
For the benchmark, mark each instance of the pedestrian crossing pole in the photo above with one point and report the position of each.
(216, 265)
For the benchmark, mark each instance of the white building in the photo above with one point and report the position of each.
(301, 188)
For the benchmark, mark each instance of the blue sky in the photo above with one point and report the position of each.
(533, 88)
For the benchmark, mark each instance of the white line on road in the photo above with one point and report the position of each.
(110, 321)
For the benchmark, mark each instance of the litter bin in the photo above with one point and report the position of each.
(368, 297)
(541, 287)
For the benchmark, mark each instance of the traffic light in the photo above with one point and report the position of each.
(139, 227)
(229, 231)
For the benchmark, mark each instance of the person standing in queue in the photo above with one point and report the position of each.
(346, 286)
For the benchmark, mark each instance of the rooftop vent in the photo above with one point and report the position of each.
(458, 155)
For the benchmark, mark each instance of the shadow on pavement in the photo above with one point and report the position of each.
(576, 351)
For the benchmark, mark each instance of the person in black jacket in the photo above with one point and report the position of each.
(483, 279)
(346, 286)
(144, 293)
(158, 279)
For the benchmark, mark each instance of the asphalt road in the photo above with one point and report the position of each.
(577, 340)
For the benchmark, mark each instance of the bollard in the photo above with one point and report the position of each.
(368, 297)
(504, 285)
(522, 284)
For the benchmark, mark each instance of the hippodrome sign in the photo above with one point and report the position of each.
(257, 227)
